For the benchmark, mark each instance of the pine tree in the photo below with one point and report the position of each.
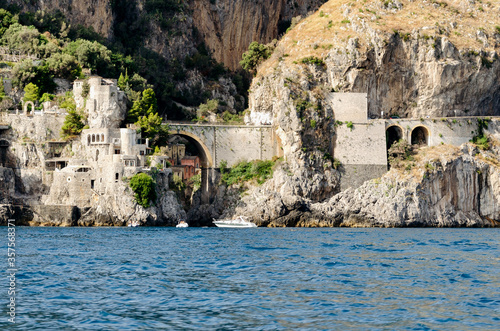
(123, 81)
(31, 92)
(143, 106)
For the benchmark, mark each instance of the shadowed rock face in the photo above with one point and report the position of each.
(89, 13)
(229, 26)
(226, 26)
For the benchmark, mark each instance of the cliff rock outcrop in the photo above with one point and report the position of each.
(409, 68)
(229, 26)
(89, 13)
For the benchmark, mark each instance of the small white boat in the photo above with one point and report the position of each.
(134, 224)
(182, 224)
(238, 222)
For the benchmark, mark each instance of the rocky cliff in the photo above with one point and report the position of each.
(89, 13)
(229, 26)
(442, 186)
(413, 59)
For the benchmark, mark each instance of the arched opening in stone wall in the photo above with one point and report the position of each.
(198, 146)
(93, 138)
(420, 136)
(393, 134)
(88, 140)
(4, 145)
(96, 155)
(29, 108)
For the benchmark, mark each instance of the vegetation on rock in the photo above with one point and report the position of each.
(143, 186)
(74, 122)
(480, 139)
(245, 171)
(256, 53)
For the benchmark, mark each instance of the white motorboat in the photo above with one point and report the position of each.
(134, 224)
(182, 224)
(238, 222)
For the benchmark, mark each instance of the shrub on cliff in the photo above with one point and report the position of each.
(256, 53)
(73, 124)
(6, 20)
(245, 171)
(143, 186)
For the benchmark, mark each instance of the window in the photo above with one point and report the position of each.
(117, 151)
(116, 177)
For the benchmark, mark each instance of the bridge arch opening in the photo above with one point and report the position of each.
(393, 134)
(420, 136)
(206, 159)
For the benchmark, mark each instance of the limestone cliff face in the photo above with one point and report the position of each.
(229, 26)
(461, 190)
(422, 72)
(90, 13)
(448, 187)
(226, 26)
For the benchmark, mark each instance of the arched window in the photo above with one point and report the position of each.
(93, 138)
(88, 140)
(102, 137)
(97, 155)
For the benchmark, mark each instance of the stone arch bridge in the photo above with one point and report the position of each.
(361, 149)
(231, 143)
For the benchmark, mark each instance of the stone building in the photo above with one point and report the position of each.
(175, 153)
(106, 153)
(191, 166)
(102, 100)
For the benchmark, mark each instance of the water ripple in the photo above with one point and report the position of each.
(256, 279)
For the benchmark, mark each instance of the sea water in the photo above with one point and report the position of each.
(254, 279)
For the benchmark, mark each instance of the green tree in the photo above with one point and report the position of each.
(123, 81)
(92, 55)
(149, 102)
(152, 128)
(73, 124)
(143, 186)
(256, 53)
(25, 72)
(47, 97)
(31, 92)
(149, 125)
(211, 106)
(64, 66)
(6, 20)
(143, 106)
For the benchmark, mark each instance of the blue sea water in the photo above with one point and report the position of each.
(254, 279)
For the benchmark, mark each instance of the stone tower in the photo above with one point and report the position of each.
(105, 104)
